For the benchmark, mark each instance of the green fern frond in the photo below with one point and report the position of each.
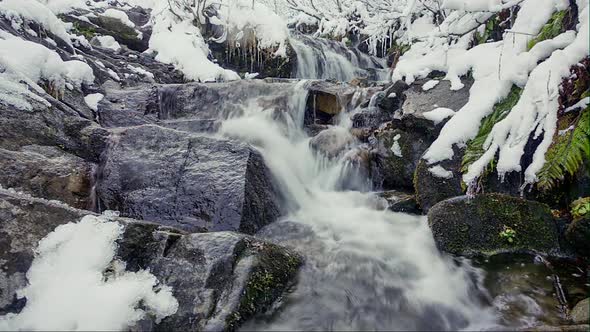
(475, 149)
(552, 29)
(567, 153)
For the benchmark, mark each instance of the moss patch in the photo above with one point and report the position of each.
(472, 227)
(274, 272)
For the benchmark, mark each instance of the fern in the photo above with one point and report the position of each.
(475, 148)
(554, 27)
(567, 153)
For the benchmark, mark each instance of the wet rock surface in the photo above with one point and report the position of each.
(49, 172)
(191, 182)
(398, 201)
(578, 233)
(474, 226)
(220, 279)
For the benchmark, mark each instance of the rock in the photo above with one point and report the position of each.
(190, 182)
(395, 158)
(581, 312)
(430, 188)
(398, 201)
(326, 100)
(51, 124)
(394, 96)
(417, 101)
(332, 141)
(578, 233)
(194, 107)
(219, 279)
(476, 226)
(128, 36)
(48, 172)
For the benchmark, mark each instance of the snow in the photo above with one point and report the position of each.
(440, 172)
(140, 71)
(396, 148)
(119, 15)
(17, 10)
(535, 113)
(108, 42)
(270, 29)
(69, 290)
(180, 43)
(93, 99)
(437, 115)
(36, 62)
(430, 84)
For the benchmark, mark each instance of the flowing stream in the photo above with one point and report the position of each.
(366, 268)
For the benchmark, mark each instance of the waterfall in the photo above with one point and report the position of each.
(366, 268)
(319, 58)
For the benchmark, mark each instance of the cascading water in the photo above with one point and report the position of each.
(319, 58)
(365, 268)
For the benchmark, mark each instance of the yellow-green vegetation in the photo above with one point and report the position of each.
(580, 207)
(554, 27)
(475, 148)
(491, 24)
(87, 31)
(570, 147)
(508, 234)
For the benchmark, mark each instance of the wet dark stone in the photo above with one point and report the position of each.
(191, 182)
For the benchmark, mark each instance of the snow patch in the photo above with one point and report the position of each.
(437, 115)
(396, 148)
(108, 42)
(430, 84)
(68, 288)
(440, 172)
(92, 100)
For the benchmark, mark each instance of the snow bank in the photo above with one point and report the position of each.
(19, 10)
(270, 29)
(69, 290)
(180, 43)
(37, 62)
(495, 67)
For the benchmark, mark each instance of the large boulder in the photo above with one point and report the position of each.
(191, 182)
(219, 279)
(48, 172)
(492, 223)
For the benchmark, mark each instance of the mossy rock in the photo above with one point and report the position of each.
(578, 235)
(122, 33)
(475, 226)
(273, 273)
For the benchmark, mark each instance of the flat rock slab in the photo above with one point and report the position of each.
(473, 226)
(191, 182)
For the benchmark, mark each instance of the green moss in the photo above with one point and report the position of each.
(491, 25)
(475, 148)
(274, 272)
(552, 29)
(87, 31)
